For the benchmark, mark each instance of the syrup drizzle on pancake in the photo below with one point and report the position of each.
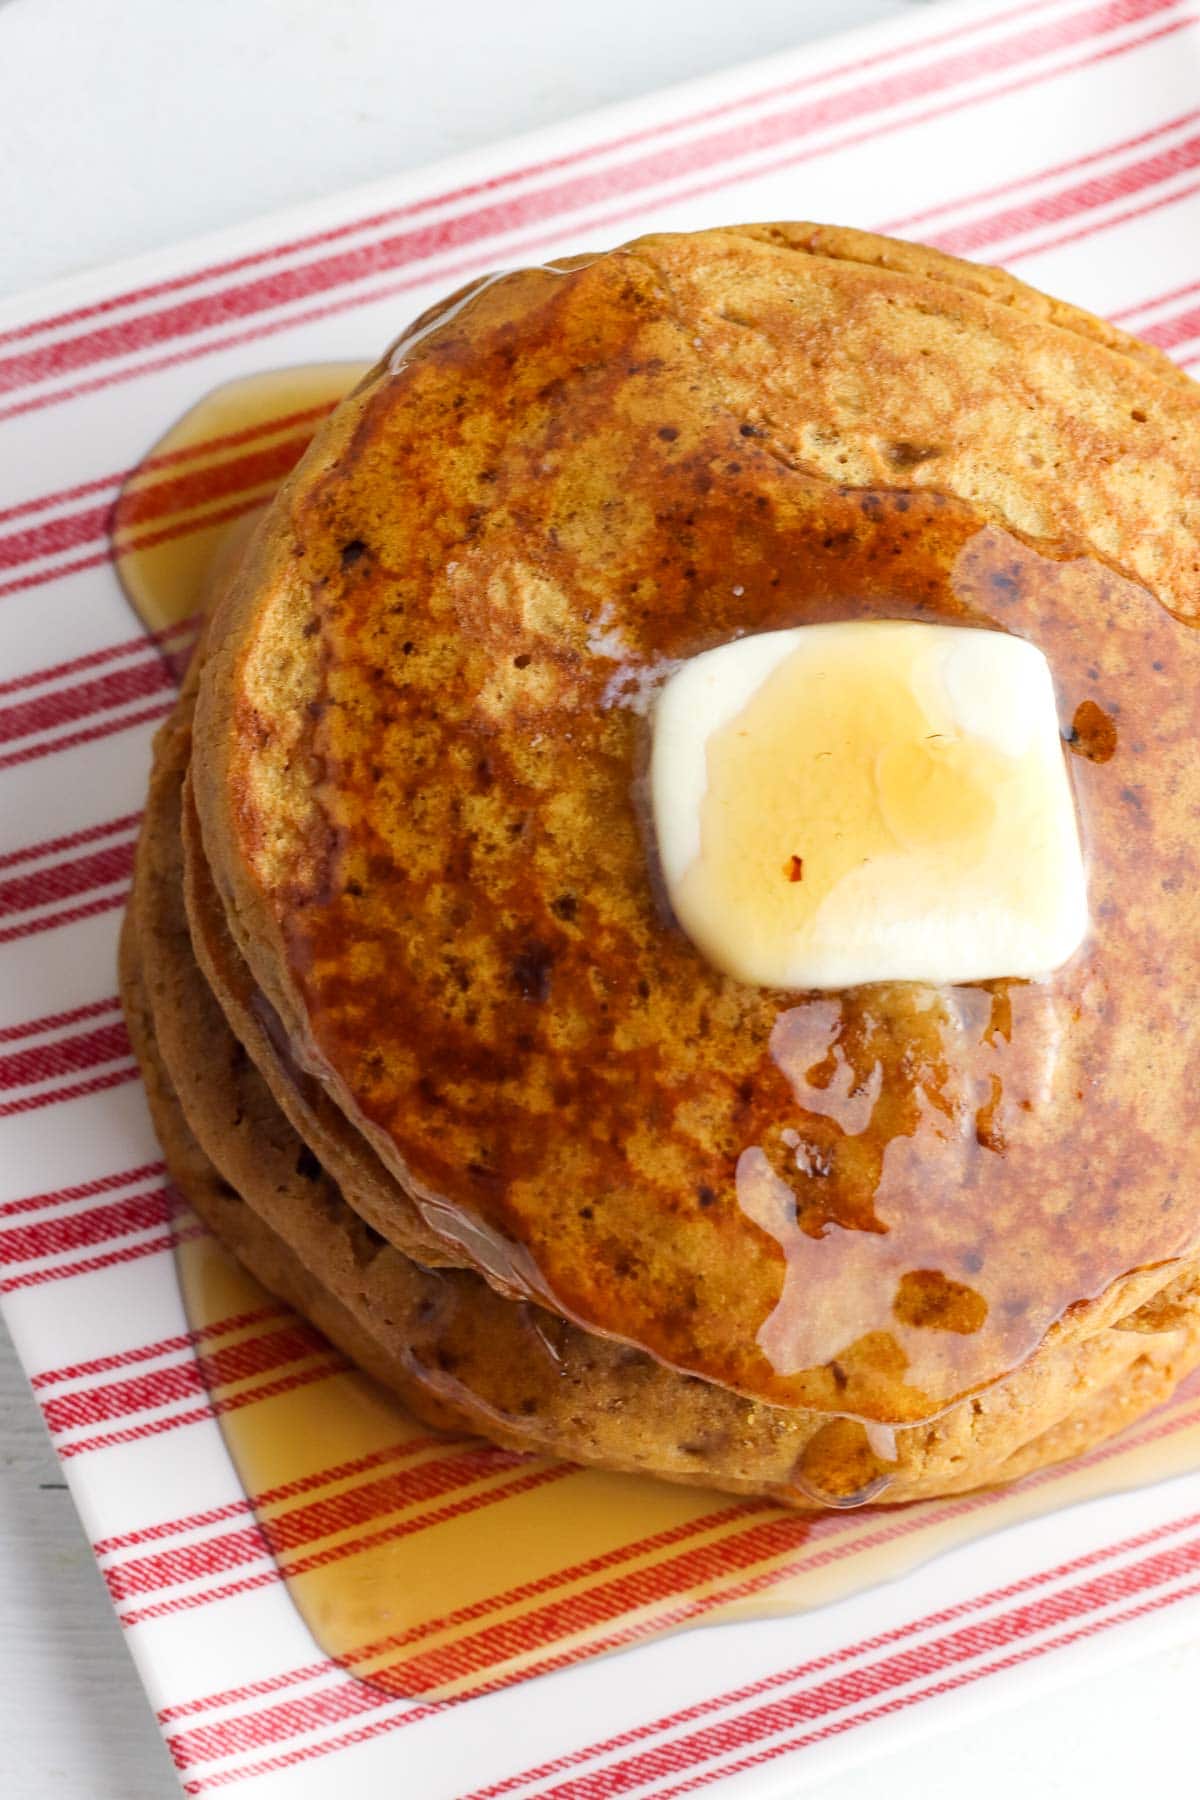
(873, 1225)
(421, 1597)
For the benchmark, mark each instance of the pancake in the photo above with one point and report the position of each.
(370, 1188)
(462, 1357)
(420, 744)
(225, 1213)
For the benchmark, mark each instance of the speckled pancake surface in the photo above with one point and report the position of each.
(420, 751)
(463, 1357)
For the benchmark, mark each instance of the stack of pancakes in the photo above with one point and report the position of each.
(423, 1044)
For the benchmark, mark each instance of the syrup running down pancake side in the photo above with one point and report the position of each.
(869, 1203)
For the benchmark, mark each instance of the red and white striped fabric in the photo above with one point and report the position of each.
(1059, 137)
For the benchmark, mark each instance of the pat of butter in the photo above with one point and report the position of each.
(879, 800)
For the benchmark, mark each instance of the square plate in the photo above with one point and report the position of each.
(1059, 138)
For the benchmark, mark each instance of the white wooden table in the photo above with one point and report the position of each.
(126, 124)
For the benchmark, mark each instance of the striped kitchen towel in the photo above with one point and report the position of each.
(1057, 137)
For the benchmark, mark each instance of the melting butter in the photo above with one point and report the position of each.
(877, 800)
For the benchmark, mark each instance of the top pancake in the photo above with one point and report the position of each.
(419, 749)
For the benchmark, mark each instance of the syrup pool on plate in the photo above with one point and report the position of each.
(439, 1566)
(210, 472)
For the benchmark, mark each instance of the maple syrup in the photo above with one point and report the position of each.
(534, 519)
(441, 1567)
(437, 1566)
(207, 476)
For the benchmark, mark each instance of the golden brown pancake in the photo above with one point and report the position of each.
(420, 742)
(463, 1357)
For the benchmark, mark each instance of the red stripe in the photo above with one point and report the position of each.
(540, 1477)
(135, 646)
(494, 183)
(254, 1690)
(91, 734)
(257, 1730)
(55, 1096)
(72, 841)
(23, 583)
(508, 1597)
(271, 465)
(304, 1525)
(226, 1736)
(894, 227)
(64, 1056)
(288, 1490)
(325, 1706)
(233, 1549)
(829, 1528)
(271, 1390)
(982, 231)
(1141, 306)
(441, 1515)
(31, 1028)
(767, 1684)
(98, 484)
(64, 705)
(66, 533)
(1086, 231)
(951, 1684)
(1167, 333)
(91, 1264)
(464, 1615)
(270, 292)
(880, 1678)
(110, 484)
(74, 1230)
(70, 916)
(214, 481)
(853, 1687)
(639, 1590)
(196, 487)
(122, 1359)
(1099, 190)
(675, 1579)
(103, 1184)
(252, 1356)
(149, 541)
(472, 265)
(483, 1652)
(829, 1525)
(66, 880)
